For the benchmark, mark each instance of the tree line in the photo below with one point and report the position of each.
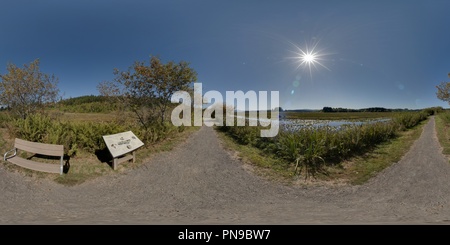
(371, 109)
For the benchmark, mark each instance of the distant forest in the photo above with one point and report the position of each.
(430, 110)
(339, 109)
(87, 104)
(84, 100)
(370, 109)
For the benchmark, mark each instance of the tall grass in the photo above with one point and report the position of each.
(443, 131)
(408, 120)
(78, 136)
(311, 148)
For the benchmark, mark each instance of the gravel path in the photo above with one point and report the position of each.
(200, 183)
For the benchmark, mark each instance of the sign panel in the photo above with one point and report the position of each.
(122, 143)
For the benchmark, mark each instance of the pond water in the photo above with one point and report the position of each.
(295, 124)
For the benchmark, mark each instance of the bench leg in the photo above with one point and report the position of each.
(62, 165)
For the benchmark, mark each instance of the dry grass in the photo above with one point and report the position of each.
(84, 117)
(443, 131)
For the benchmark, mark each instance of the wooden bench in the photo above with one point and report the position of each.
(39, 149)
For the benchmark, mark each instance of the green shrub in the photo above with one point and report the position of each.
(82, 136)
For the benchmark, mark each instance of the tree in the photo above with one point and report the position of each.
(327, 109)
(443, 92)
(147, 89)
(280, 109)
(27, 90)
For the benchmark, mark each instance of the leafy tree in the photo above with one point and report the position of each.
(147, 89)
(327, 109)
(280, 109)
(443, 92)
(27, 90)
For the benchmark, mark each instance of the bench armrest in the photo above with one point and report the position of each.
(5, 156)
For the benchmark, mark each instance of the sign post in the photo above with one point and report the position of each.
(119, 145)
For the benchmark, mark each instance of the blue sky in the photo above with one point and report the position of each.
(374, 53)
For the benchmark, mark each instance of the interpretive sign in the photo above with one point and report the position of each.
(121, 144)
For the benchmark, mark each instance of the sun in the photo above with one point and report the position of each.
(308, 58)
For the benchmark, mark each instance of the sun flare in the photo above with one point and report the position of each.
(308, 58)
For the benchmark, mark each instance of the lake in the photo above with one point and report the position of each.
(295, 124)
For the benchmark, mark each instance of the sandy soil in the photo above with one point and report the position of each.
(201, 183)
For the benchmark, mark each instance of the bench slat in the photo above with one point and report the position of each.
(38, 166)
(39, 148)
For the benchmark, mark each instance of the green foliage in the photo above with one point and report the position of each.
(85, 99)
(82, 136)
(443, 131)
(156, 132)
(445, 117)
(311, 148)
(4, 118)
(410, 119)
(33, 128)
(87, 104)
(75, 136)
(433, 110)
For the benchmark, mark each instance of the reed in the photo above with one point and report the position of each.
(310, 148)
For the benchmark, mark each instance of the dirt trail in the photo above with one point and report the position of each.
(200, 183)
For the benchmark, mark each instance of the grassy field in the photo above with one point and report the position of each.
(443, 131)
(84, 117)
